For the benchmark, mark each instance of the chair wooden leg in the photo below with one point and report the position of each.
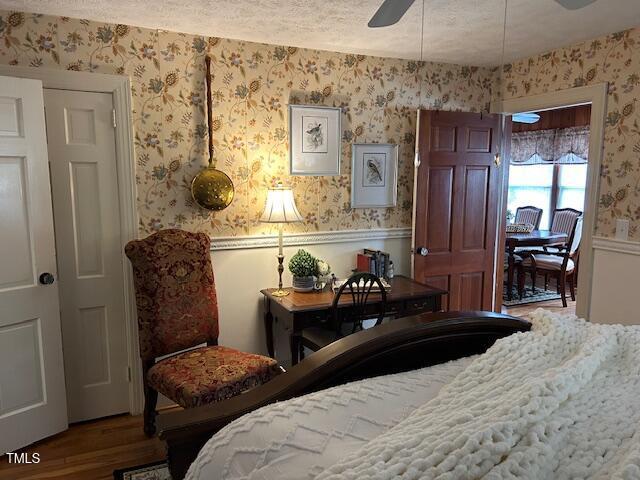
(520, 272)
(301, 354)
(533, 281)
(572, 287)
(510, 282)
(562, 284)
(150, 401)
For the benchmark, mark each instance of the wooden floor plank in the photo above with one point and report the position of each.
(552, 305)
(89, 451)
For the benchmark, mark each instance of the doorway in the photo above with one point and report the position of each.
(86, 212)
(566, 180)
(83, 263)
(546, 182)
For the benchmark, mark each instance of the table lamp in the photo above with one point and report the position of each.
(280, 208)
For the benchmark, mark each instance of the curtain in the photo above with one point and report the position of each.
(563, 145)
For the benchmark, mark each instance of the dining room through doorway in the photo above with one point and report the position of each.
(547, 181)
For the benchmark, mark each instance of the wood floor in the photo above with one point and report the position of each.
(552, 305)
(89, 451)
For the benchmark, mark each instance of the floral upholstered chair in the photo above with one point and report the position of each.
(177, 310)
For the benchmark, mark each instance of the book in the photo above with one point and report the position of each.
(380, 262)
(363, 263)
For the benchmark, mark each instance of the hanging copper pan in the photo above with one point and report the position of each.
(211, 188)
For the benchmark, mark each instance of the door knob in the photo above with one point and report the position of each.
(46, 278)
(422, 251)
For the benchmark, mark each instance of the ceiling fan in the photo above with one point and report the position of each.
(391, 11)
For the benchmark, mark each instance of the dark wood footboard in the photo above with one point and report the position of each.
(400, 345)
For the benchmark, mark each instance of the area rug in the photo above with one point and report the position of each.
(529, 297)
(151, 471)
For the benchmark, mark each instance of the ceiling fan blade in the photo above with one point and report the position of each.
(390, 12)
(575, 4)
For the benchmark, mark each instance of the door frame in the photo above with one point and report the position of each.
(120, 88)
(596, 95)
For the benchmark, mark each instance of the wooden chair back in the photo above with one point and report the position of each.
(529, 214)
(564, 221)
(570, 249)
(360, 286)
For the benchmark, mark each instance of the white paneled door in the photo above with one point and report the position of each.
(81, 139)
(32, 386)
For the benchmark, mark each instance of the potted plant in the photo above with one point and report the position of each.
(304, 267)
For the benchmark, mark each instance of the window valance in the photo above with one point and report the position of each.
(564, 145)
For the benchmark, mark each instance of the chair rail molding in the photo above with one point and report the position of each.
(308, 238)
(616, 245)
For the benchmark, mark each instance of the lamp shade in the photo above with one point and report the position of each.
(280, 207)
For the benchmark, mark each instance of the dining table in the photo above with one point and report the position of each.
(535, 238)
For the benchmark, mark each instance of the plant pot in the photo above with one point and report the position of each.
(303, 284)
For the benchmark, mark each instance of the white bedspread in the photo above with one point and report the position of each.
(300, 438)
(560, 402)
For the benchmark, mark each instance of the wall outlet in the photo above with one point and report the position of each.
(622, 228)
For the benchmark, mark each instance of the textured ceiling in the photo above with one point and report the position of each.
(456, 31)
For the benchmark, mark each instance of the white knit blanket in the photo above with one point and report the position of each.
(559, 402)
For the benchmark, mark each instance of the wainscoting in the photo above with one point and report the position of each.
(615, 290)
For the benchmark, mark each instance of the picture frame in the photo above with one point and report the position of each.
(374, 175)
(315, 140)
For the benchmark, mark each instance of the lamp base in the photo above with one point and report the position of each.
(280, 293)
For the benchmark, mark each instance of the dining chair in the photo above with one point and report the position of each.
(529, 214)
(360, 287)
(564, 220)
(178, 310)
(519, 274)
(561, 263)
(524, 215)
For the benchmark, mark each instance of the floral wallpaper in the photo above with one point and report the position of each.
(252, 85)
(614, 59)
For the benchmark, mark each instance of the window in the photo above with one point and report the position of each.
(572, 180)
(531, 185)
(548, 187)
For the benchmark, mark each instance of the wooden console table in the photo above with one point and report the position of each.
(297, 310)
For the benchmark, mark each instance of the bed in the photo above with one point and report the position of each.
(404, 345)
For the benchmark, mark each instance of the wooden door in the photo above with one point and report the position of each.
(457, 195)
(84, 181)
(32, 390)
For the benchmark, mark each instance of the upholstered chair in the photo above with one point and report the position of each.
(177, 311)
(529, 214)
(561, 262)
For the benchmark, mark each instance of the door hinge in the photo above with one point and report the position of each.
(113, 115)
(129, 374)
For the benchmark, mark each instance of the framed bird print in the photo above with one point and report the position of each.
(315, 140)
(374, 175)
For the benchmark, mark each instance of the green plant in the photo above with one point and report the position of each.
(510, 216)
(303, 264)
